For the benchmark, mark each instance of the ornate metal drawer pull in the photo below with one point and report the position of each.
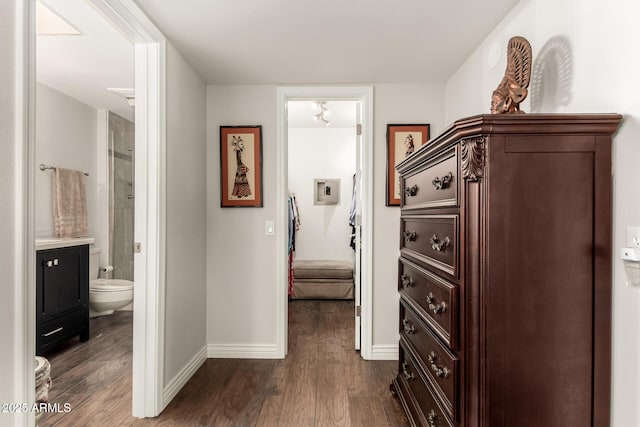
(411, 191)
(410, 236)
(408, 327)
(440, 183)
(439, 245)
(406, 281)
(432, 418)
(438, 308)
(440, 372)
(405, 370)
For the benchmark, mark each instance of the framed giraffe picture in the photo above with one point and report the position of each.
(402, 141)
(241, 166)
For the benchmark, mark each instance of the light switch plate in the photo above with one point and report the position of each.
(269, 228)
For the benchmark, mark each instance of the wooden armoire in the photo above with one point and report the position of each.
(505, 273)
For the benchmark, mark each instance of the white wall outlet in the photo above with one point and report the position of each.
(633, 237)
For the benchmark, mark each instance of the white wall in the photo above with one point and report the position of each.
(394, 104)
(240, 258)
(8, 196)
(322, 153)
(66, 137)
(602, 38)
(241, 289)
(186, 215)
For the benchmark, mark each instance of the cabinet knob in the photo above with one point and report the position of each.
(441, 183)
(432, 418)
(410, 236)
(438, 308)
(440, 372)
(411, 191)
(439, 244)
(405, 370)
(406, 281)
(407, 326)
(50, 263)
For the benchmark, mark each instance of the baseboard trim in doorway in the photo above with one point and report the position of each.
(242, 351)
(183, 376)
(384, 352)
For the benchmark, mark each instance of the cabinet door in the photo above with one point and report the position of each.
(62, 280)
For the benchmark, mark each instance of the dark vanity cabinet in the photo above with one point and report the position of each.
(62, 296)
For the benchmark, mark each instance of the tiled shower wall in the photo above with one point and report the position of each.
(121, 197)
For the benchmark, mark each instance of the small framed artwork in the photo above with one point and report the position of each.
(326, 191)
(402, 141)
(241, 166)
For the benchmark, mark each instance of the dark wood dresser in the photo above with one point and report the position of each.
(505, 273)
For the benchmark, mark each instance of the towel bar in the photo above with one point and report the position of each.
(45, 167)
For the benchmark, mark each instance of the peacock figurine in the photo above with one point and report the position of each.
(512, 90)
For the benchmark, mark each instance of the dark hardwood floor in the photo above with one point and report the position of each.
(321, 382)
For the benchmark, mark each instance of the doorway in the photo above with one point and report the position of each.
(148, 333)
(72, 37)
(363, 263)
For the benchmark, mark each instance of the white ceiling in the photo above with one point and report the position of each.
(273, 42)
(84, 66)
(326, 41)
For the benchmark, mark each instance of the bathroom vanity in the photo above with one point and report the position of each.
(62, 291)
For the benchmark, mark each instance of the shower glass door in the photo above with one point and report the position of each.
(121, 195)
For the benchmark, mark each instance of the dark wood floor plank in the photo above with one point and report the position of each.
(322, 382)
(273, 397)
(367, 412)
(332, 404)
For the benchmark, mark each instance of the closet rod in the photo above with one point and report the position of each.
(45, 167)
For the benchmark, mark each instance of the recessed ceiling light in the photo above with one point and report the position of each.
(49, 23)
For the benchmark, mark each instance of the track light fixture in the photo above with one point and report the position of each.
(320, 116)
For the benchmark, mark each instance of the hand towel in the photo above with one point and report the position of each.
(70, 203)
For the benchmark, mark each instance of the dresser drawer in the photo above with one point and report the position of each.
(435, 299)
(440, 365)
(432, 241)
(429, 412)
(435, 184)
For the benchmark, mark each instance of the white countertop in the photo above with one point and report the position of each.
(54, 242)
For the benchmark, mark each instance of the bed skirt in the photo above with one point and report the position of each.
(322, 279)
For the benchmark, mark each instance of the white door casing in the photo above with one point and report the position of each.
(149, 204)
(363, 94)
(148, 347)
(357, 291)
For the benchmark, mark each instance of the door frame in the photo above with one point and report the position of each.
(363, 94)
(150, 135)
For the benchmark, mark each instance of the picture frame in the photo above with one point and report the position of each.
(326, 191)
(241, 166)
(402, 140)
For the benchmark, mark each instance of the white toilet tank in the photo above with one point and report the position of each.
(94, 263)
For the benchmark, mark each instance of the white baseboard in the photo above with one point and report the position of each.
(384, 352)
(242, 351)
(181, 378)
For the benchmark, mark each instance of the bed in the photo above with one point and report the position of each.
(322, 279)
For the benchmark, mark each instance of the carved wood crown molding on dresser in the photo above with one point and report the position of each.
(472, 153)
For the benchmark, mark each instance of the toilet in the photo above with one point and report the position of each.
(106, 295)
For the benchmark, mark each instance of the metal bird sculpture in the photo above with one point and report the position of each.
(512, 90)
